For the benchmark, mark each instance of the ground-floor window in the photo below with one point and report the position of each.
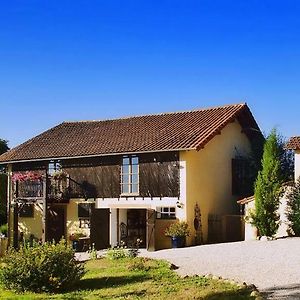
(84, 214)
(166, 212)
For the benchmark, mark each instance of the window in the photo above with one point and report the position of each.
(84, 215)
(26, 211)
(130, 175)
(165, 213)
(242, 183)
(53, 167)
(84, 210)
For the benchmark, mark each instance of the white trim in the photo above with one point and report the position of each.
(181, 213)
(113, 228)
(136, 202)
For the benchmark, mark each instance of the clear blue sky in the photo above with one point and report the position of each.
(74, 60)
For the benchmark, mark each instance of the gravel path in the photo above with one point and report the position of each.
(272, 266)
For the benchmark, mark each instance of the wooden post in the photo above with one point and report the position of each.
(15, 226)
(9, 201)
(44, 217)
(150, 242)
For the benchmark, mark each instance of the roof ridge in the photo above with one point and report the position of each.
(157, 114)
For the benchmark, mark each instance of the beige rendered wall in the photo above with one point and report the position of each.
(72, 219)
(209, 178)
(32, 225)
(297, 164)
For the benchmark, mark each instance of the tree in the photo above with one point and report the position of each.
(3, 146)
(3, 183)
(293, 208)
(267, 189)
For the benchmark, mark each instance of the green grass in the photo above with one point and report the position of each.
(139, 279)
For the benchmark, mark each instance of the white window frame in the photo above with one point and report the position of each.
(166, 211)
(130, 173)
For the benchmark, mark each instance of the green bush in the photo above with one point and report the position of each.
(293, 208)
(42, 268)
(178, 229)
(116, 253)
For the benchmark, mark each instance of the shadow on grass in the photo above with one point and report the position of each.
(230, 295)
(108, 282)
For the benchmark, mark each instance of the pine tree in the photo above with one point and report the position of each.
(293, 208)
(268, 188)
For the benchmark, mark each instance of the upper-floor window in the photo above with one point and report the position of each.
(130, 175)
(53, 167)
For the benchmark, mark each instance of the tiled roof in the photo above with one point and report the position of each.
(294, 143)
(149, 133)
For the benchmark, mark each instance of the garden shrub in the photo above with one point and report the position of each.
(116, 253)
(42, 268)
(268, 188)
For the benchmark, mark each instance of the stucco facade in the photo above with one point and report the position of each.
(297, 164)
(209, 176)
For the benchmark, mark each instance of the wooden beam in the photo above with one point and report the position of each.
(15, 226)
(44, 217)
(8, 203)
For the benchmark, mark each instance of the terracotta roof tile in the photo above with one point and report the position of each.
(294, 143)
(150, 133)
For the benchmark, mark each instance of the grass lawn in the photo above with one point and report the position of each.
(139, 279)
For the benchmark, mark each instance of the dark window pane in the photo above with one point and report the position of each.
(27, 211)
(84, 210)
(172, 209)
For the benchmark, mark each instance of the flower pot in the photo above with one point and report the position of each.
(178, 241)
(75, 245)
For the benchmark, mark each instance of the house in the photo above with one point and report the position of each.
(129, 178)
(294, 144)
(248, 203)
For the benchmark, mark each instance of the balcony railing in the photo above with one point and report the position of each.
(58, 189)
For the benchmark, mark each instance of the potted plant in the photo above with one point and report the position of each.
(74, 238)
(178, 232)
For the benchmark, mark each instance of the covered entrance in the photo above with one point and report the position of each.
(136, 228)
(128, 225)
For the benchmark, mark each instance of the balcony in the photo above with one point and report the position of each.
(59, 189)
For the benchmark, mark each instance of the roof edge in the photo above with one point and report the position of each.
(92, 155)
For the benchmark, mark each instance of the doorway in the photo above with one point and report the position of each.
(136, 227)
(56, 222)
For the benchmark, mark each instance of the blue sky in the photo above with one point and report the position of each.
(74, 60)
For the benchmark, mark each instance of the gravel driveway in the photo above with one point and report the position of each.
(272, 266)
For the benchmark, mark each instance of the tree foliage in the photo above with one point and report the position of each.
(3, 146)
(293, 208)
(3, 183)
(268, 188)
